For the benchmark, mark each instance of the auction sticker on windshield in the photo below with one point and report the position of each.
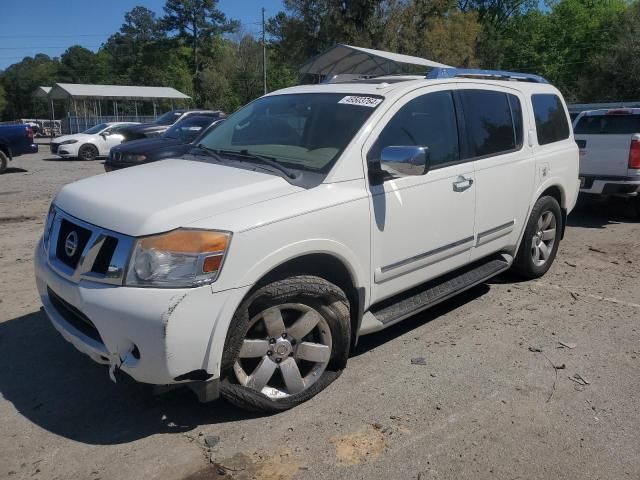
(362, 101)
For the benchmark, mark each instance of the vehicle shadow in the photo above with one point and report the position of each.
(62, 159)
(597, 213)
(63, 391)
(14, 170)
(369, 342)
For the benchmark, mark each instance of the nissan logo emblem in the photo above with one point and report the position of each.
(71, 244)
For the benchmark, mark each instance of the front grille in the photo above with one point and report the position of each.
(116, 156)
(54, 147)
(74, 317)
(78, 250)
(71, 235)
(103, 259)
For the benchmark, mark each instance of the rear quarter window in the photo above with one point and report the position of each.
(551, 119)
(608, 125)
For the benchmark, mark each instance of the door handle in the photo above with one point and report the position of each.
(461, 184)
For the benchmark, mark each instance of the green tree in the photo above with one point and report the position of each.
(196, 21)
(21, 79)
(3, 99)
(80, 65)
(614, 74)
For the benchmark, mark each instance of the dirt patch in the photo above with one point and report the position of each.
(357, 448)
(281, 466)
(18, 219)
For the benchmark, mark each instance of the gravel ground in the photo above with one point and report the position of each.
(496, 397)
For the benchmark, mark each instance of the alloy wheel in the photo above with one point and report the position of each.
(285, 350)
(544, 238)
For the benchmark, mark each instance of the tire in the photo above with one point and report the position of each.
(87, 152)
(283, 304)
(545, 217)
(4, 162)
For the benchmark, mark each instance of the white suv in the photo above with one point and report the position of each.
(313, 215)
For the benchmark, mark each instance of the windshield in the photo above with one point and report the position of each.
(168, 118)
(308, 131)
(97, 129)
(188, 129)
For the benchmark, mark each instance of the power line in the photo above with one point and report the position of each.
(59, 36)
(31, 47)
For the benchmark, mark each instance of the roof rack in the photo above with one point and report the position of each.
(439, 72)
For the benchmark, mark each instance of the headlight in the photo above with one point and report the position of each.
(131, 158)
(69, 142)
(47, 227)
(181, 258)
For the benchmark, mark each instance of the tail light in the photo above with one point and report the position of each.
(29, 133)
(634, 152)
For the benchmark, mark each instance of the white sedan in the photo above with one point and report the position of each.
(90, 144)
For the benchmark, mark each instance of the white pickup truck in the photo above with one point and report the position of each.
(311, 216)
(609, 142)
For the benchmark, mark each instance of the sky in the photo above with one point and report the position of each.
(50, 26)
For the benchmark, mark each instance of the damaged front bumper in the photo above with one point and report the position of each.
(156, 336)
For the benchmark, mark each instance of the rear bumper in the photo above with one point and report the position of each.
(31, 148)
(621, 186)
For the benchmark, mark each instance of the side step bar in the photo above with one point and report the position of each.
(406, 304)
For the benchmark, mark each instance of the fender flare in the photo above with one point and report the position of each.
(261, 269)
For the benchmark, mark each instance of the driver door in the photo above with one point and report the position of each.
(422, 226)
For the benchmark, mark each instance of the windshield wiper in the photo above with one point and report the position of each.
(261, 158)
(208, 151)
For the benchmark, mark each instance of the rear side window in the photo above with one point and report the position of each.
(429, 120)
(608, 125)
(493, 121)
(551, 120)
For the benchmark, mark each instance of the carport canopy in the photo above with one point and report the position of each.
(78, 91)
(347, 59)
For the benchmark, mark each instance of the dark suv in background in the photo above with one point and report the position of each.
(163, 122)
(173, 143)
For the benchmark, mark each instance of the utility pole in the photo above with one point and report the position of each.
(264, 56)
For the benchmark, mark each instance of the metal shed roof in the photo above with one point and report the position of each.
(112, 92)
(342, 58)
(41, 92)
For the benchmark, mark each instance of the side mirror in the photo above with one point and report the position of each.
(405, 161)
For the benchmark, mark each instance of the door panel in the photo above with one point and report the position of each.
(422, 226)
(504, 167)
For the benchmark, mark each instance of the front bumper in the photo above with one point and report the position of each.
(621, 186)
(156, 336)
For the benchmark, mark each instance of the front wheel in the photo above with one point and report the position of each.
(541, 239)
(287, 342)
(88, 152)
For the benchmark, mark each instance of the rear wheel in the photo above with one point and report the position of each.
(4, 162)
(287, 342)
(88, 152)
(541, 239)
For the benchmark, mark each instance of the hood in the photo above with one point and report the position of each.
(75, 136)
(145, 145)
(161, 196)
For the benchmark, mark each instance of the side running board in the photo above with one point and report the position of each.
(406, 304)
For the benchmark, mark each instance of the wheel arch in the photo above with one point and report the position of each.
(6, 150)
(328, 266)
(556, 191)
